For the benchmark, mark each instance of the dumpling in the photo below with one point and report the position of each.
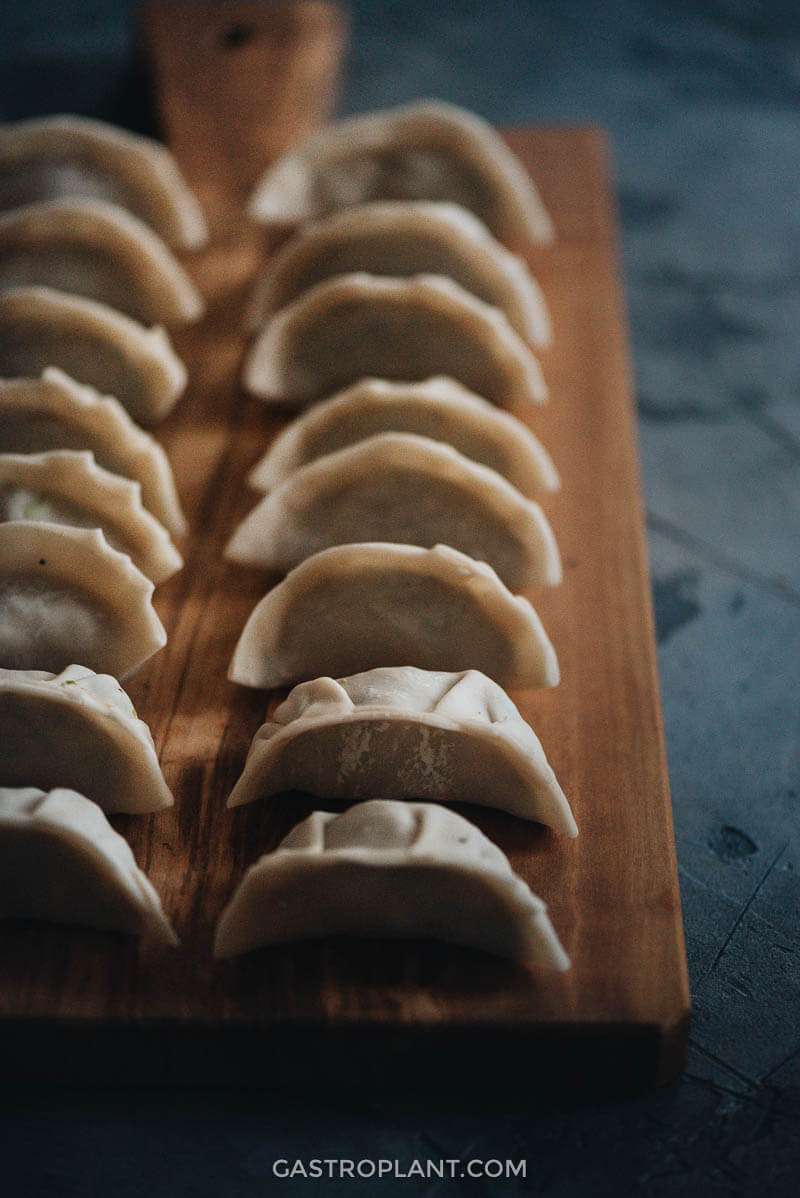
(403, 240)
(94, 344)
(403, 871)
(60, 860)
(54, 412)
(356, 326)
(357, 607)
(439, 408)
(405, 488)
(68, 487)
(423, 151)
(99, 251)
(66, 594)
(78, 729)
(406, 734)
(56, 157)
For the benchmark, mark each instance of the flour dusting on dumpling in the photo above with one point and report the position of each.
(405, 733)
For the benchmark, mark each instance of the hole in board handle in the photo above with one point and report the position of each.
(237, 35)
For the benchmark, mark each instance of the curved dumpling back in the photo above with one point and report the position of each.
(439, 408)
(65, 487)
(389, 869)
(66, 594)
(55, 412)
(99, 251)
(401, 240)
(58, 157)
(404, 488)
(423, 151)
(92, 343)
(60, 860)
(357, 607)
(356, 326)
(95, 742)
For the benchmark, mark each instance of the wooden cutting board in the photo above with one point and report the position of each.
(235, 84)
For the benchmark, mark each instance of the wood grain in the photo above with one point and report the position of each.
(77, 1002)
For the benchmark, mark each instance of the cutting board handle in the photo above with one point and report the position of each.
(238, 83)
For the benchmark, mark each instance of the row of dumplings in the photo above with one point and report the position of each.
(399, 868)
(399, 270)
(88, 505)
(434, 727)
(404, 509)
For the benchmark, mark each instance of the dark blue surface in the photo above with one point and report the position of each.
(703, 104)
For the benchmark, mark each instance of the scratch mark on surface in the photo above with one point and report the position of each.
(775, 430)
(713, 281)
(775, 1068)
(737, 1073)
(683, 872)
(673, 413)
(747, 906)
(723, 561)
(713, 1087)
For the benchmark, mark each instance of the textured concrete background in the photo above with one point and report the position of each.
(703, 104)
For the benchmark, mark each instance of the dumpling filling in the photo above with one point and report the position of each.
(41, 626)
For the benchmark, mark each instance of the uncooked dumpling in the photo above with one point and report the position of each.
(422, 151)
(99, 251)
(439, 408)
(65, 594)
(61, 861)
(404, 871)
(94, 344)
(78, 729)
(356, 326)
(55, 157)
(402, 240)
(68, 487)
(357, 607)
(54, 412)
(405, 734)
(404, 488)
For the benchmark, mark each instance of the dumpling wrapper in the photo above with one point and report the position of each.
(78, 729)
(357, 326)
(422, 151)
(357, 607)
(68, 487)
(402, 240)
(403, 871)
(61, 861)
(100, 251)
(439, 408)
(404, 488)
(66, 594)
(94, 344)
(60, 157)
(55, 412)
(405, 733)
